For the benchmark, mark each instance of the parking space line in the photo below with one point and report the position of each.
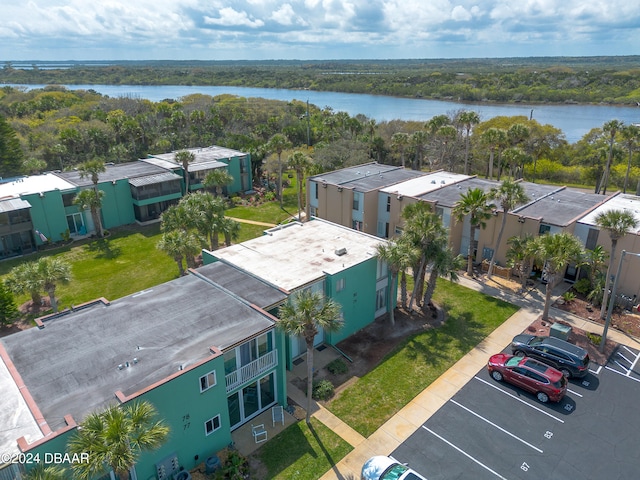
(633, 365)
(520, 400)
(496, 426)
(621, 366)
(618, 353)
(596, 372)
(623, 374)
(463, 452)
(574, 393)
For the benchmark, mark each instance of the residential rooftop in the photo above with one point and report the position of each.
(71, 366)
(34, 184)
(367, 177)
(424, 184)
(113, 173)
(315, 245)
(622, 201)
(562, 206)
(207, 155)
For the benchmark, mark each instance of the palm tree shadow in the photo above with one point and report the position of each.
(103, 248)
(328, 456)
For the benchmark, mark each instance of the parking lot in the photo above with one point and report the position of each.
(492, 430)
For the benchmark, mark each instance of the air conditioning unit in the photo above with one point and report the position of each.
(340, 251)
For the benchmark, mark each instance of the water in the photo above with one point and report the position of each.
(574, 120)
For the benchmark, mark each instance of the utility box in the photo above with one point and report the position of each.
(560, 331)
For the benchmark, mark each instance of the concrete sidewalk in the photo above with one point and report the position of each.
(404, 423)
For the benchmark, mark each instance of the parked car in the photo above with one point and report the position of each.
(545, 382)
(571, 360)
(387, 468)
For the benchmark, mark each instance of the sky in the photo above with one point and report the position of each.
(315, 29)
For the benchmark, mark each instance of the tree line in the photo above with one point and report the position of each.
(535, 79)
(57, 129)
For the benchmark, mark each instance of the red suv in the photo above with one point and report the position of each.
(545, 382)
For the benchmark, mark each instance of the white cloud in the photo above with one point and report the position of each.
(332, 28)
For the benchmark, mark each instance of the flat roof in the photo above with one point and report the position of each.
(312, 244)
(448, 195)
(622, 201)
(561, 206)
(34, 184)
(243, 284)
(71, 365)
(13, 204)
(113, 172)
(153, 179)
(16, 419)
(424, 184)
(203, 155)
(368, 176)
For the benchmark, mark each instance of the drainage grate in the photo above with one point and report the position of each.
(321, 347)
(298, 361)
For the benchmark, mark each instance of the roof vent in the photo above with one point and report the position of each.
(341, 251)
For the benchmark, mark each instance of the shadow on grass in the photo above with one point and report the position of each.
(104, 248)
(328, 456)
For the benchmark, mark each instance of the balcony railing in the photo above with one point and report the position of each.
(252, 370)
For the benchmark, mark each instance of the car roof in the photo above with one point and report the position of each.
(566, 346)
(543, 369)
(376, 466)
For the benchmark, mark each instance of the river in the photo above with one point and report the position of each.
(574, 120)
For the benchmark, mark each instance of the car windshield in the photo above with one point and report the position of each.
(586, 360)
(560, 383)
(394, 472)
(536, 341)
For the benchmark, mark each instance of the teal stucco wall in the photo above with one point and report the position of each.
(48, 214)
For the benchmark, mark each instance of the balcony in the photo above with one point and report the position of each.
(251, 370)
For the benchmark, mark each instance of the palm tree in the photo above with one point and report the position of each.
(417, 140)
(399, 142)
(474, 204)
(278, 144)
(230, 229)
(51, 272)
(115, 438)
(184, 158)
(493, 139)
(300, 163)
(426, 234)
(218, 179)
(179, 244)
(91, 200)
(24, 278)
(92, 169)
(205, 214)
(445, 263)
(468, 119)
(304, 314)
(398, 257)
(521, 255)
(618, 223)
(509, 195)
(595, 260)
(44, 471)
(631, 136)
(557, 251)
(610, 128)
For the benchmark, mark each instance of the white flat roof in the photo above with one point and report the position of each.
(312, 244)
(622, 201)
(16, 419)
(427, 183)
(34, 184)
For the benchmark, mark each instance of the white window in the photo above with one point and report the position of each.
(381, 270)
(207, 381)
(356, 200)
(340, 284)
(212, 425)
(381, 299)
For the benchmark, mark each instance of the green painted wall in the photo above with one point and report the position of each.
(357, 299)
(185, 409)
(48, 215)
(117, 204)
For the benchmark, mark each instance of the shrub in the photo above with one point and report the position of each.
(568, 297)
(594, 338)
(322, 390)
(270, 196)
(582, 286)
(337, 366)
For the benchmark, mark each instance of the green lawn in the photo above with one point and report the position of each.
(421, 359)
(301, 452)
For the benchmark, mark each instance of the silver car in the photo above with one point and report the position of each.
(387, 468)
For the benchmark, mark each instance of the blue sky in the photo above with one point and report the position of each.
(315, 29)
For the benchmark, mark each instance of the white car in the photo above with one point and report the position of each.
(387, 468)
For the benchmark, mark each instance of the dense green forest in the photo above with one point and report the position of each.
(57, 129)
(613, 80)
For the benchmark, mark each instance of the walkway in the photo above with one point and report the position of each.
(404, 423)
(252, 222)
